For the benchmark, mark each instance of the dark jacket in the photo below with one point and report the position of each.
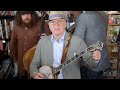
(92, 27)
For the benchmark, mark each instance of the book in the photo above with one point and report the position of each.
(1, 32)
(1, 45)
(6, 28)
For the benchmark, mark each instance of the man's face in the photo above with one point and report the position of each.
(26, 18)
(57, 26)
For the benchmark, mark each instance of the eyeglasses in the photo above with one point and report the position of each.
(53, 22)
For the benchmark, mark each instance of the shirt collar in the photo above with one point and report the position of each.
(61, 39)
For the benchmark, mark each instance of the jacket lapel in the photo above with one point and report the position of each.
(66, 38)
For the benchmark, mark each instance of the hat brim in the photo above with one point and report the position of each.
(57, 18)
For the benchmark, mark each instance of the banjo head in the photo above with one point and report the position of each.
(47, 72)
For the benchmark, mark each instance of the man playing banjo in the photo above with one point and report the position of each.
(50, 51)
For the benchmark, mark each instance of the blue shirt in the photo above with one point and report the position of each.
(57, 53)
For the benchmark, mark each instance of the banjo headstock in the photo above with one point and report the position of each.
(96, 46)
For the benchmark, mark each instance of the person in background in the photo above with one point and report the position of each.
(76, 15)
(72, 19)
(92, 27)
(50, 50)
(25, 35)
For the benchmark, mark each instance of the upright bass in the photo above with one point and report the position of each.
(27, 58)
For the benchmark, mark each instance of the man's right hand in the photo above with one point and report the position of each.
(38, 76)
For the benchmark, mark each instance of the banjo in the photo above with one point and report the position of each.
(52, 72)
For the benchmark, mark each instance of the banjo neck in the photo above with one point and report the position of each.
(93, 47)
(67, 62)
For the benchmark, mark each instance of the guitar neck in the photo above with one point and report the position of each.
(67, 62)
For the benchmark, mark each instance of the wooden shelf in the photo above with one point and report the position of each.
(118, 13)
(113, 57)
(113, 67)
(112, 44)
(6, 17)
(114, 24)
(112, 47)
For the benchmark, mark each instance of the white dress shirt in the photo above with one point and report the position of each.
(57, 53)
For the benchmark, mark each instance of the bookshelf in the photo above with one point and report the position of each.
(6, 25)
(113, 31)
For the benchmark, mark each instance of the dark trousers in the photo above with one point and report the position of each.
(89, 74)
(22, 75)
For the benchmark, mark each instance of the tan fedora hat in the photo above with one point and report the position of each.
(57, 15)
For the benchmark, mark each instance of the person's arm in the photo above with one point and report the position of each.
(35, 63)
(90, 58)
(81, 26)
(13, 45)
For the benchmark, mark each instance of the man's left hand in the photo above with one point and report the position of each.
(97, 55)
